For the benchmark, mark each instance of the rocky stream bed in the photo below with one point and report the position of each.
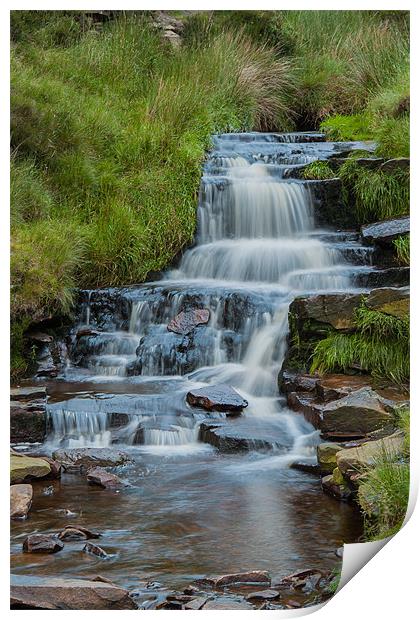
(168, 454)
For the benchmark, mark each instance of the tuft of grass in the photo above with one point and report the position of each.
(346, 128)
(378, 195)
(384, 492)
(380, 346)
(402, 247)
(318, 170)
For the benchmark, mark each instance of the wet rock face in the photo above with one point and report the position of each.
(57, 593)
(187, 320)
(393, 276)
(220, 397)
(352, 461)
(95, 550)
(234, 437)
(20, 500)
(314, 312)
(42, 543)
(77, 532)
(390, 300)
(28, 417)
(85, 458)
(330, 209)
(383, 233)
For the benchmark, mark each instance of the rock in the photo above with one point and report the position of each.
(225, 603)
(28, 393)
(339, 552)
(292, 381)
(87, 331)
(41, 543)
(220, 397)
(20, 500)
(186, 321)
(85, 458)
(251, 577)
(196, 603)
(74, 532)
(392, 165)
(312, 313)
(39, 337)
(326, 454)
(95, 550)
(393, 276)
(308, 466)
(385, 232)
(234, 437)
(306, 580)
(390, 300)
(28, 421)
(23, 468)
(101, 477)
(338, 491)
(56, 593)
(263, 595)
(103, 580)
(362, 411)
(353, 461)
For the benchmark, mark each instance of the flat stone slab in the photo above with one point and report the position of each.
(243, 436)
(221, 397)
(187, 320)
(28, 393)
(103, 478)
(24, 468)
(354, 460)
(85, 458)
(56, 593)
(385, 231)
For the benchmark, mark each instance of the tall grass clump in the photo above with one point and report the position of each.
(380, 346)
(402, 248)
(109, 130)
(377, 195)
(318, 170)
(385, 488)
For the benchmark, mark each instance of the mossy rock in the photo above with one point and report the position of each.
(326, 453)
(24, 468)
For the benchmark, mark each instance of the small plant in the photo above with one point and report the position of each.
(402, 248)
(318, 170)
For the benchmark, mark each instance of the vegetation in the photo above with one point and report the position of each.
(377, 195)
(383, 494)
(318, 170)
(380, 346)
(110, 125)
(402, 248)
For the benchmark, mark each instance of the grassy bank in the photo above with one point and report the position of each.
(110, 127)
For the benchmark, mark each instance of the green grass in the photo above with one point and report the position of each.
(109, 130)
(318, 170)
(346, 128)
(384, 492)
(402, 248)
(380, 346)
(377, 195)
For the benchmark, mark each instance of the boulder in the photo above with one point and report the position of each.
(196, 603)
(251, 577)
(394, 165)
(77, 532)
(56, 593)
(361, 411)
(235, 437)
(390, 300)
(95, 550)
(314, 313)
(187, 320)
(103, 478)
(42, 543)
(306, 580)
(263, 595)
(20, 500)
(28, 419)
(220, 604)
(326, 454)
(352, 462)
(385, 232)
(293, 381)
(24, 468)
(336, 489)
(220, 397)
(86, 458)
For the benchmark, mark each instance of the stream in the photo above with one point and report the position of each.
(192, 509)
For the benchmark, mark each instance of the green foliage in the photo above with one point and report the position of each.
(19, 362)
(318, 170)
(344, 128)
(383, 496)
(378, 195)
(379, 346)
(402, 247)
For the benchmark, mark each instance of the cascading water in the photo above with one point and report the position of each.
(193, 509)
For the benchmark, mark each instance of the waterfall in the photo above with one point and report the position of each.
(256, 249)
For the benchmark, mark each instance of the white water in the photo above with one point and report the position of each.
(255, 240)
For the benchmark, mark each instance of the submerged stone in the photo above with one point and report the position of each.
(103, 478)
(42, 543)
